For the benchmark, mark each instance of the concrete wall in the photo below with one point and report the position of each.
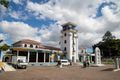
(69, 44)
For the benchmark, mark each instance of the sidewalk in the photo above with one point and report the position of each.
(7, 67)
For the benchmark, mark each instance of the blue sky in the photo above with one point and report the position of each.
(31, 20)
(41, 20)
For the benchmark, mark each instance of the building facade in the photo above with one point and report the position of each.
(69, 41)
(86, 54)
(35, 52)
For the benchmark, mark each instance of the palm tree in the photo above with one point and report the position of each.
(4, 47)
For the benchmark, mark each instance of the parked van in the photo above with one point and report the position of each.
(19, 62)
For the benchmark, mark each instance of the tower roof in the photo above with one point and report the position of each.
(68, 25)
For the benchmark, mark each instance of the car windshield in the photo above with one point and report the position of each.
(20, 61)
(64, 60)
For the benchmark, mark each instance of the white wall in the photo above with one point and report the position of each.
(69, 44)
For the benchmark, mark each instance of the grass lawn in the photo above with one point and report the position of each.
(108, 61)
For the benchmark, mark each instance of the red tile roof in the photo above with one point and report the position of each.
(41, 46)
(28, 41)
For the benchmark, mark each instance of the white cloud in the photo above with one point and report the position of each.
(80, 12)
(2, 36)
(17, 1)
(61, 11)
(50, 35)
(18, 15)
(2, 11)
(14, 15)
(19, 30)
(110, 15)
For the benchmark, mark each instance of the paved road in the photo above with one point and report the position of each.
(65, 73)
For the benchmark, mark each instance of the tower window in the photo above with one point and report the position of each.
(73, 43)
(65, 34)
(25, 45)
(31, 45)
(65, 41)
(36, 46)
(65, 49)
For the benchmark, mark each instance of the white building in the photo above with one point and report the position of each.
(86, 54)
(35, 52)
(69, 41)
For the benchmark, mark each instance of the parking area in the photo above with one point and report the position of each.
(65, 73)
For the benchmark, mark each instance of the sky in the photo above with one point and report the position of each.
(41, 20)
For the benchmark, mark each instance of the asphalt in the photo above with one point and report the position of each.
(76, 72)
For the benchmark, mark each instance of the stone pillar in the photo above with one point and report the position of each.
(49, 58)
(77, 57)
(36, 57)
(44, 57)
(117, 64)
(91, 59)
(97, 57)
(17, 53)
(28, 56)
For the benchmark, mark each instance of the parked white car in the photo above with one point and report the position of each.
(65, 62)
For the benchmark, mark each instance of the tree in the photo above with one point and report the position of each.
(107, 39)
(115, 46)
(4, 47)
(109, 45)
(5, 3)
(108, 36)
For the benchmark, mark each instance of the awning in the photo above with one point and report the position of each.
(20, 49)
(33, 50)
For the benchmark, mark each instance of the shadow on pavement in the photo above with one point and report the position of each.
(108, 69)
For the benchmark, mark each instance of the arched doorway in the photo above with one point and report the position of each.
(6, 59)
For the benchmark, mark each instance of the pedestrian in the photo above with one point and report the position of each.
(59, 64)
(87, 63)
(70, 62)
(84, 64)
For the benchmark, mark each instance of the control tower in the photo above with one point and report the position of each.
(69, 41)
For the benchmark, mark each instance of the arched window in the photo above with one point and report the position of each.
(36, 46)
(65, 41)
(31, 45)
(65, 49)
(65, 34)
(25, 45)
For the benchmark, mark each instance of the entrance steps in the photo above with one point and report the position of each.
(7, 67)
